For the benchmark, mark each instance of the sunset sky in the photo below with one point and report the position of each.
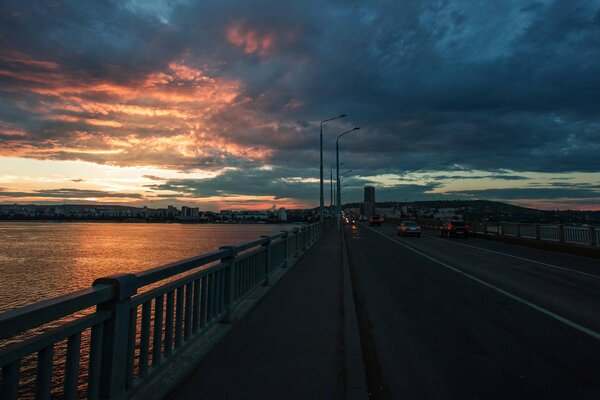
(218, 103)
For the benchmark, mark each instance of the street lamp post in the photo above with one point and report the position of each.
(321, 200)
(341, 176)
(337, 163)
(331, 191)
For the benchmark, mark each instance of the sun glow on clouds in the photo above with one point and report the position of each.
(162, 119)
(22, 178)
(250, 39)
(118, 138)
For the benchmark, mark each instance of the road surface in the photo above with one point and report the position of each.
(469, 318)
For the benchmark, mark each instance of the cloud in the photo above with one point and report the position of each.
(493, 177)
(438, 88)
(68, 193)
(154, 178)
(533, 194)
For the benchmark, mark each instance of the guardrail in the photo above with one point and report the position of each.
(68, 349)
(571, 234)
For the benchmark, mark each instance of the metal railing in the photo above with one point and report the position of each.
(572, 234)
(74, 350)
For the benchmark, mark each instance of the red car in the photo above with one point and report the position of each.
(454, 228)
(375, 220)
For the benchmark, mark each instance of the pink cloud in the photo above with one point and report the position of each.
(251, 40)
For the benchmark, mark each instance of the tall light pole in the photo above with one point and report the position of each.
(341, 176)
(321, 200)
(337, 164)
(331, 191)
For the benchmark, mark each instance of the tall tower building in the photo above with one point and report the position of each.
(368, 208)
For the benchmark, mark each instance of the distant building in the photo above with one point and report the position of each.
(282, 214)
(190, 213)
(172, 211)
(368, 205)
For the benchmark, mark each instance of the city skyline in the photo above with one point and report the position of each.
(217, 105)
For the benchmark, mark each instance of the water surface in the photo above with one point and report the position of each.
(45, 259)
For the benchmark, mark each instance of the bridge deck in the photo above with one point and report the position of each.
(289, 346)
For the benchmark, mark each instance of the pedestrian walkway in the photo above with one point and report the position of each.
(289, 346)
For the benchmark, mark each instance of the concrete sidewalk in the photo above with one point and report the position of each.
(290, 346)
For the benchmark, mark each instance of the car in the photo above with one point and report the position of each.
(409, 228)
(454, 228)
(375, 220)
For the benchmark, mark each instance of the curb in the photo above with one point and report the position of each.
(355, 378)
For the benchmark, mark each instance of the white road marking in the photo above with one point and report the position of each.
(518, 258)
(521, 300)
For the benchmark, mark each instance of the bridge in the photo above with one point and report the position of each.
(312, 314)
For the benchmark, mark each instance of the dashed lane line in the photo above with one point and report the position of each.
(521, 300)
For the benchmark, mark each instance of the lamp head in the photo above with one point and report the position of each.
(342, 116)
(356, 128)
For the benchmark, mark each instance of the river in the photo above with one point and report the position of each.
(39, 260)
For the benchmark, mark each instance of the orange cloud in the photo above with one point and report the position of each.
(20, 59)
(13, 132)
(250, 39)
(101, 122)
(162, 119)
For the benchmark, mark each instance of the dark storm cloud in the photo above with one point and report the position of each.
(243, 182)
(436, 85)
(493, 177)
(93, 38)
(592, 196)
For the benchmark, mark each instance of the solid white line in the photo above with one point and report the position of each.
(521, 300)
(518, 258)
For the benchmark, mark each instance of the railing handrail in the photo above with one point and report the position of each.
(163, 272)
(33, 315)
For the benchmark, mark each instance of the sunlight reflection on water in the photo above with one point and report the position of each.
(45, 259)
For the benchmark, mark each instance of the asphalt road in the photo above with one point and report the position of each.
(474, 319)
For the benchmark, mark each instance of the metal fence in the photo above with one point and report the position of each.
(572, 234)
(139, 322)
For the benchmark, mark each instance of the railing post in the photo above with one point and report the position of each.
(116, 335)
(285, 248)
(518, 230)
(538, 234)
(229, 294)
(561, 233)
(267, 247)
(592, 233)
(296, 233)
(304, 241)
